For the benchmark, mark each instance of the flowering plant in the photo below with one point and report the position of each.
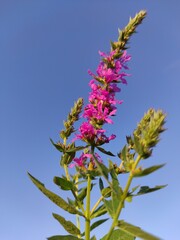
(89, 167)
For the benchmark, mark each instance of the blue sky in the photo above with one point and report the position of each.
(46, 48)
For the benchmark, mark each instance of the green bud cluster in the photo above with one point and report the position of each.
(147, 133)
(125, 34)
(144, 138)
(72, 117)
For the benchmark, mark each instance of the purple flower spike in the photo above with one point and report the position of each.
(102, 101)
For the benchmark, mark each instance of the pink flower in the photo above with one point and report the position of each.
(80, 162)
(108, 74)
(109, 57)
(88, 133)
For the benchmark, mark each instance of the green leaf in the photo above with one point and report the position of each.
(137, 146)
(123, 154)
(64, 184)
(130, 195)
(106, 192)
(117, 190)
(101, 210)
(82, 194)
(135, 231)
(97, 223)
(59, 146)
(102, 168)
(76, 149)
(64, 237)
(101, 185)
(149, 170)
(105, 152)
(118, 234)
(135, 188)
(146, 189)
(68, 225)
(109, 207)
(60, 202)
(67, 158)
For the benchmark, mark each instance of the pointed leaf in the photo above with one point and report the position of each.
(117, 191)
(123, 154)
(109, 207)
(67, 158)
(64, 183)
(137, 146)
(135, 188)
(136, 231)
(82, 194)
(68, 225)
(64, 237)
(106, 192)
(54, 197)
(76, 149)
(102, 168)
(99, 211)
(105, 152)
(101, 185)
(97, 223)
(146, 189)
(118, 234)
(59, 146)
(149, 170)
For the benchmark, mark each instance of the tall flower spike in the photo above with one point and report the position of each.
(102, 102)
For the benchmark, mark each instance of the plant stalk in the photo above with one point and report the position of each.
(124, 195)
(87, 223)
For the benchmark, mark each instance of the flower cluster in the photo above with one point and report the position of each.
(102, 101)
(82, 160)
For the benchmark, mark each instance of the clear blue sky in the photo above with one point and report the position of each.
(46, 48)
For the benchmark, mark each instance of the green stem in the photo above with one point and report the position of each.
(77, 207)
(96, 204)
(124, 195)
(66, 172)
(87, 223)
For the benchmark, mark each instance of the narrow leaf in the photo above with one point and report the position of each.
(68, 225)
(54, 197)
(117, 191)
(123, 154)
(58, 146)
(76, 149)
(97, 223)
(82, 194)
(109, 207)
(136, 231)
(101, 185)
(64, 183)
(106, 192)
(105, 152)
(102, 168)
(99, 211)
(146, 189)
(149, 170)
